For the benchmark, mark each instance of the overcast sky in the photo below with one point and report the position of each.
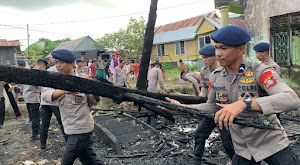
(58, 19)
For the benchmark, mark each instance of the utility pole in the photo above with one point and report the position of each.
(28, 40)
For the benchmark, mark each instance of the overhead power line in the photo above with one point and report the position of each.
(116, 16)
(37, 30)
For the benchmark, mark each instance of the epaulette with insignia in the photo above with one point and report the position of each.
(218, 69)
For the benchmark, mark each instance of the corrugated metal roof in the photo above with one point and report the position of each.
(4, 42)
(177, 35)
(189, 32)
(71, 45)
(181, 24)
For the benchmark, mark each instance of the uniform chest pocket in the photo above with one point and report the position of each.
(221, 93)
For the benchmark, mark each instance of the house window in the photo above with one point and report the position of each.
(179, 47)
(82, 53)
(203, 40)
(285, 39)
(160, 50)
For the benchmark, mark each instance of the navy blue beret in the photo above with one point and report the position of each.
(42, 61)
(64, 55)
(78, 60)
(157, 63)
(21, 62)
(261, 47)
(208, 50)
(231, 36)
(17, 90)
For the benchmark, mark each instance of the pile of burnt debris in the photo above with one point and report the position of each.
(136, 142)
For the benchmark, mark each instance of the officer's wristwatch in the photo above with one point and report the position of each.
(248, 100)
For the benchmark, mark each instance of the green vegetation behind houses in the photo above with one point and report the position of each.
(292, 78)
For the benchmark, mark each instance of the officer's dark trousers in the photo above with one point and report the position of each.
(80, 146)
(46, 115)
(202, 133)
(33, 108)
(2, 110)
(283, 157)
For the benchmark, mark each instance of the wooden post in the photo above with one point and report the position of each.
(141, 83)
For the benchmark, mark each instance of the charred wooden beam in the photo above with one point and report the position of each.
(161, 112)
(251, 122)
(101, 79)
(12, 101)
(141, 83)
(77, 84)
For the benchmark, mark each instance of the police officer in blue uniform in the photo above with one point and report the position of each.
(207, 125)
(47, 109)
(75, 113)
(262, 54)
(243, 89)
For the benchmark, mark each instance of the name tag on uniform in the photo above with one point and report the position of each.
(78, 97)
(221, 93)
(221, 96)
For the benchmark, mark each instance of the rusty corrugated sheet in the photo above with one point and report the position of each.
(193, 22)
(4, 42)
(181, 24)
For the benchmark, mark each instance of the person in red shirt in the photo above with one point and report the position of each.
(92, 69)
(181, 65)
(115, 61)
(136, 67)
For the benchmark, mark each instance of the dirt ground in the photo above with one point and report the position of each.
(16, 146)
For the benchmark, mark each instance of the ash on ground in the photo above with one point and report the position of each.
(174, 147)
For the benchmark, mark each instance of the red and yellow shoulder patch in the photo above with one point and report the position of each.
(267, 79)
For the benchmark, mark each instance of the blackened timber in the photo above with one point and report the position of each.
(163, 113)
(147, 47)
(77, 84)
(12, 101)
(101, 79)
(251, 122)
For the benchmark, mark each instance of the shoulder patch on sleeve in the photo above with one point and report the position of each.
(267, 79)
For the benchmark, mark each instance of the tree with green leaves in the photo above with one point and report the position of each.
(112, 41)
(129, 41)
(37, 51)
(33, 53)
(134, 37)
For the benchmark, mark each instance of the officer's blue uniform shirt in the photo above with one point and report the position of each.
(64, 55)
(208, 50)
(231, 36)
(262, 47)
